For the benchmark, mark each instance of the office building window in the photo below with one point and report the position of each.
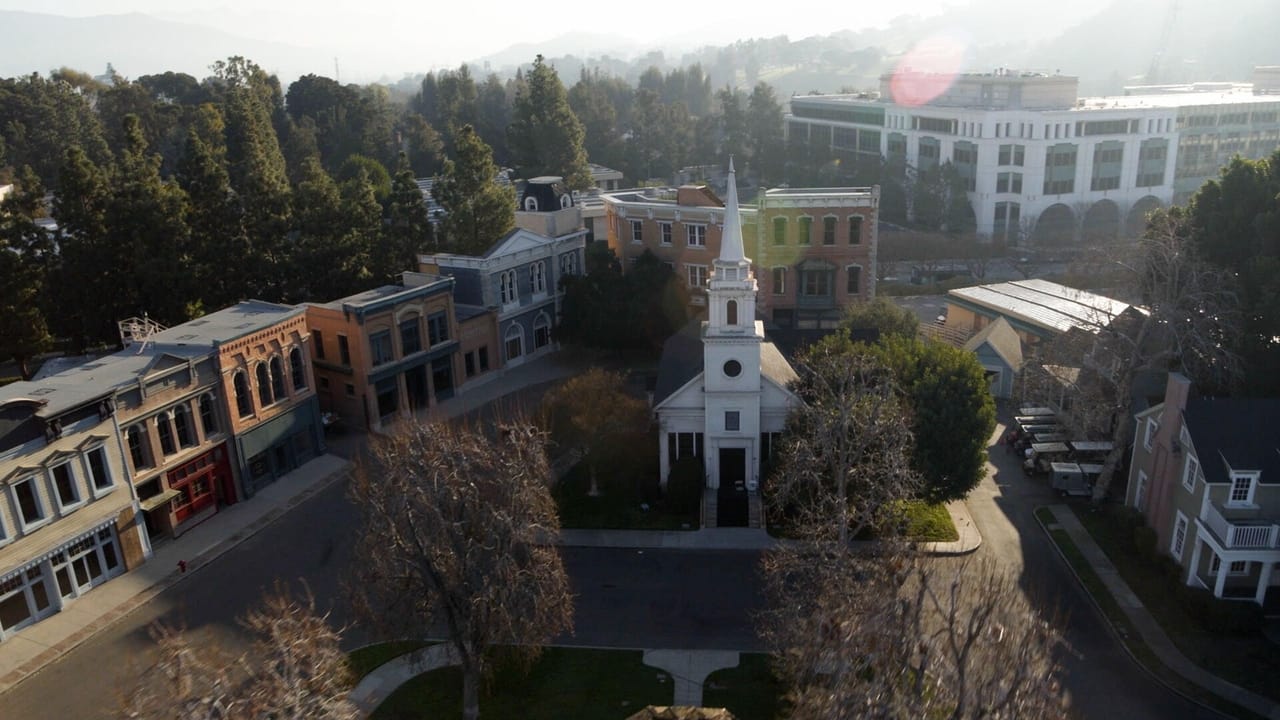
(666, 232)
(829, 230)
(696, 235)
(855, 229)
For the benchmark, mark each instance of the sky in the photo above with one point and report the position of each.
(442, 33)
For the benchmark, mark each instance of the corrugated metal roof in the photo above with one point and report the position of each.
(1044, 304)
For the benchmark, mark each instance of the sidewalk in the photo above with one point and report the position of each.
(506, 382)
(34, 647)
(1152, 634)
(750, 539)
(688, 668)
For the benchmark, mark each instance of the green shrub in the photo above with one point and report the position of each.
(685, 485)
(1144, 539)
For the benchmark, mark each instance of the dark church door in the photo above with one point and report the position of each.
(732, 500)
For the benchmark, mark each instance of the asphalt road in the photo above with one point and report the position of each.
(1102, 680)
(625, 598)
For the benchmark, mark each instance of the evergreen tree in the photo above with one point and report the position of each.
(215, 215)
(765, 134)
(257, 170)
(545, 136)
(424, 145)
(80, 208)
(328, 260)
(147, 239)
(24, 252)
(601, 139)
(479, 210)
(408, 228)
(734, 140)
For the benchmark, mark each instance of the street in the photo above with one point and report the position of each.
(625, 598)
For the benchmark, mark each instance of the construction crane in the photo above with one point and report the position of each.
(1155, 70)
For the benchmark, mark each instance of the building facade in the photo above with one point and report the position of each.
(68, 514)
(519, 277)
(386, 353)
(814, 249)
(1040, 163)
(273, 414)
(1204, 475)
(722, 396)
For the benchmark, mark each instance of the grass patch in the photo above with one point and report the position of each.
(563, 683)
(1124, 627)
(928, 522)
(750, 691)
(364, 660)
(1248, 660)
(620, 505)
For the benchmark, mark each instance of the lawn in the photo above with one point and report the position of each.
(1128, 633)
(620, 505)
(750, 691)
(1250, 660)
(929, 522)
(364, 660)
(575, 683)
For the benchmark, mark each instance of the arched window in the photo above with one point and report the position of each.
(531, 203)
(566, 200)
(264, 385)
(538, 277)
(139, 446)
(731, 312)
(277, 378)
(297, 369)
(208, 416)
(182, 426)
(514, 341)
(244, 404)
(541, 332)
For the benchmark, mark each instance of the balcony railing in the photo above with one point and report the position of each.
(1240, 534)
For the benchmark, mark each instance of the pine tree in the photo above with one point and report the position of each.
(24, 249)
(215, 215)
(80, 206)
(258, 175)
(147, 238)
(545, 136)
(408, 228)
(478, 209)
(328, 260)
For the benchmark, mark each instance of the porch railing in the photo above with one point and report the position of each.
(1242, 534)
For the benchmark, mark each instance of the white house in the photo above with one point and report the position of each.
(722, 394)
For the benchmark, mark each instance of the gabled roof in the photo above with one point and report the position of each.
(682, 362)
(1235, 434)
(1003, 341)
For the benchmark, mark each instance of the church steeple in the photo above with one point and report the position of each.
(732, 290)
(731, 238)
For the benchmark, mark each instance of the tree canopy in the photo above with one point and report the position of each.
(545, 136)
(479, 209)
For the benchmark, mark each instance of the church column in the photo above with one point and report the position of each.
(664, 452)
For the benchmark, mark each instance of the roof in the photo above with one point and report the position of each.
(417, 285)
(1043, 304)
(1235, 434)
(166, 349)
(467, 312)
(682, 359)
(1003, 341)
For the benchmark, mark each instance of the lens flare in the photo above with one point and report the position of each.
(928, 69)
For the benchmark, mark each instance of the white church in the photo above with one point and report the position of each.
(721, 395)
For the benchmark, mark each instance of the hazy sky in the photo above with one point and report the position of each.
(400, 35)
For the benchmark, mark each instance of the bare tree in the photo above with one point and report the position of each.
(457, 533)
(887, 635)
(591, 413)
(295, 670)
(1188, 321)
(846, 456)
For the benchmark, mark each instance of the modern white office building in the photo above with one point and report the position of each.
(1042, 165)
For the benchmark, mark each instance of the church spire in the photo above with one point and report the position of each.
(731, 238)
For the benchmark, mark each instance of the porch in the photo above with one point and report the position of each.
(1236, 560)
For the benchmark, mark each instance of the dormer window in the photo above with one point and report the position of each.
(566, 201)
(531, 204)
(1242, 489)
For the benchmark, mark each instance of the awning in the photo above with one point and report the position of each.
(156, 501)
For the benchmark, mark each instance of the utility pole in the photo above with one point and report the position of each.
(337, 76)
